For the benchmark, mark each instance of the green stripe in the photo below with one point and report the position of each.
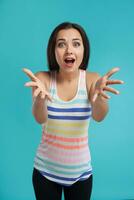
(81, 92)
(58, 171)
(62, 166)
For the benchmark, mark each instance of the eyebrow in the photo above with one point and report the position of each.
(62, 39)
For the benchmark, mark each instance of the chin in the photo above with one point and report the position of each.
(69, 69)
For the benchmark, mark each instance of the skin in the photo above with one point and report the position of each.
(69, 43)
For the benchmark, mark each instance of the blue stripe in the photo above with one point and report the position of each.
(69, 117)
(68, 109)
(63, 178)
(74, 101)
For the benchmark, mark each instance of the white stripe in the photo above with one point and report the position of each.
(63, 162)
(76, 105)
(64, 175)
(69, 113)
(43, 166)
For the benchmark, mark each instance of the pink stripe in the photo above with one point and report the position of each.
(71, 160)
(64, 139)
(65, 153)
(62, 146)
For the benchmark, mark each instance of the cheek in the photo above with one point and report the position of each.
(80, 54)
(58, 55)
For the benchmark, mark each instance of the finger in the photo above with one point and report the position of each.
(36, 92)
(95, 97)
(110, 82)
(42, 95)
(30, 84)
(104, 95)
(111, 72)
(30, 74)
(111, 90)
(49, 97)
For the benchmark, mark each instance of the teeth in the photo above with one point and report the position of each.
(69, 60)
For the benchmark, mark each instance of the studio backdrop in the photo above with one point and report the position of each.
(25, 27)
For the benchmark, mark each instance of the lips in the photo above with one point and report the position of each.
(69, 61)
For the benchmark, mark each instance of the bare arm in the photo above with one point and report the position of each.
(39, 94)
(39, 108)
(100, 108)
(100, 105)
(98, 97)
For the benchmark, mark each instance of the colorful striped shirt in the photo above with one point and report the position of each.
(63, 155)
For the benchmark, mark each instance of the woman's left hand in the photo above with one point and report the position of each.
(102, 83)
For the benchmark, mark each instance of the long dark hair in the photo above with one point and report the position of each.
(52, 63)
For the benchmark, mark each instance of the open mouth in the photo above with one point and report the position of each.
(69, 60)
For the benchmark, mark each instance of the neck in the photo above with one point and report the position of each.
(68, 76)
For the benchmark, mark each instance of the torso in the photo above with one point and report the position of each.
(67, 91)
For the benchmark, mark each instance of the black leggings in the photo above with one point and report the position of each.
(48, 190)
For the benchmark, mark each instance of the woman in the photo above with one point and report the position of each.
(64, 100)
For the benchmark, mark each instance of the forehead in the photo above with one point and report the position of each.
(69, 34)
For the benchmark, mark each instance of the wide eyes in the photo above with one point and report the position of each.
(64, 44)
(61, 44)
(76, 44)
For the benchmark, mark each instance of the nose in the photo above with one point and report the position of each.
(69, 49)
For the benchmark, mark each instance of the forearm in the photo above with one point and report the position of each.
(99, 108)
(39, 110)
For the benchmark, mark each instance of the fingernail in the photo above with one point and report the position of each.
(117, 92)
(52, 100)
(94, 97)
(118, 68)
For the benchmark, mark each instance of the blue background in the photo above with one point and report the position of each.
(25, 27)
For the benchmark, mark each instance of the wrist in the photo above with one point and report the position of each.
(39, 100)
(99, 100)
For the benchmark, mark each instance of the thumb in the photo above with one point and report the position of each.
(94, 97)
(93, 93)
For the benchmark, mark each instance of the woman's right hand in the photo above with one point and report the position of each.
(37, 85)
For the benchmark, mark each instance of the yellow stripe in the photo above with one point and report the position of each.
(67, 132)
(70, 124)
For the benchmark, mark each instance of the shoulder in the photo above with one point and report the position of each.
(91, 77)
(44, 76)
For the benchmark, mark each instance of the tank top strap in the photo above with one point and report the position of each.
(82, 84)
(52, 82)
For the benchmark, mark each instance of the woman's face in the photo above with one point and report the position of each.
(69, 49)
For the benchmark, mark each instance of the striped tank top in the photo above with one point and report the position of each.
(63, 155)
